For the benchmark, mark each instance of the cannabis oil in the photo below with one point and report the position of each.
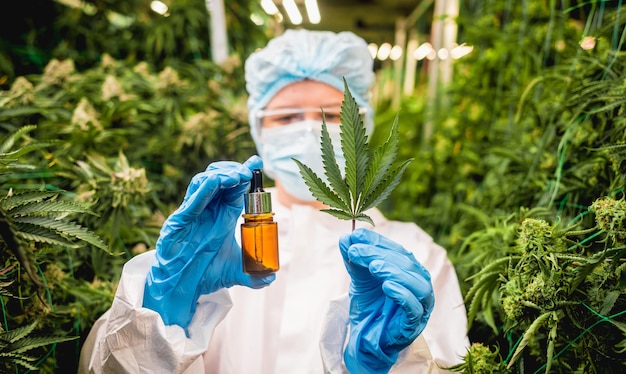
(259, 232)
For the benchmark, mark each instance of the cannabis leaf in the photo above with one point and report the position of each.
(369, 176)
(15, 344)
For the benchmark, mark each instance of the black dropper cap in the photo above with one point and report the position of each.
(257, 200)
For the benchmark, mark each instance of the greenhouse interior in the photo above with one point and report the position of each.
(448, 195)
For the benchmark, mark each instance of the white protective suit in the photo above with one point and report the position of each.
(298, 324)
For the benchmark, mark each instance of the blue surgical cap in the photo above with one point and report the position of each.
(322, 56)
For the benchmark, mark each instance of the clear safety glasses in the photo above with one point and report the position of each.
(269, 118)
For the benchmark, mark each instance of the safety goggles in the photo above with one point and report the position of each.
(268, 118)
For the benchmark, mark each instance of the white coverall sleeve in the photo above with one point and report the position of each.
(131, 339)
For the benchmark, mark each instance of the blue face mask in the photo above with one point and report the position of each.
(301, 141)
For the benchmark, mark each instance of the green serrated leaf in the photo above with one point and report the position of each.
(20, 361)
(40, 234)
(29, 343)
(381, 191)
(528, 335)
(383, 158)
(15, 343)
(50, 207)
(12, 138)
(333, 173)
(341, 214)
(18, 333)
(17, 199)
(319, 189)
(64, 228)
(369, 177)
(364, 218)
(354, 146)
(25, 150)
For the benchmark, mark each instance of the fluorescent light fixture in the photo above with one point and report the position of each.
(373, 49)
(443, 54)
(395, 53)
(312, 11)
(383, 51)
(292, 11)
(460, 51)
(422, 51)
(159, 7)
(269, 7)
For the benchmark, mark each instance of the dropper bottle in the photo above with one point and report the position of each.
(259, 232)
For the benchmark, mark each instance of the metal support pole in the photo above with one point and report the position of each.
(443, 35)
(450, 29)
(400, 40)
(410, 63)
(217, 22)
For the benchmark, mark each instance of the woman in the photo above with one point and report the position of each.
(382, 298)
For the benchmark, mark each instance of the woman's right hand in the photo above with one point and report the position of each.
(196, 252)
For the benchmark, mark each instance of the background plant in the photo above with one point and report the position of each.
(123, 137)
(528, 145)
(39, 232)
(534, 134)
(84, 31)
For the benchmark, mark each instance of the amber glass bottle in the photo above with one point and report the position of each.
(259, 232)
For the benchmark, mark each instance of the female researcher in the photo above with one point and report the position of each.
(378, 299)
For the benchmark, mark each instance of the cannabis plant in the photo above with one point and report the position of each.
(124, 141)
(369, 176)
(557, 293)
(35, 223)
(15, 345)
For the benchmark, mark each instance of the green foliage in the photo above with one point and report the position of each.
(479, 359)
(369, 176)
(84, 31)
(34, 223)
(557, 292)
(526, 150)
(120, 141)
(15, 344)
(522, 179)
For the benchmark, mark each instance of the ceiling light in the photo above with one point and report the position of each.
(373, 49)
(384, 51)
(396, 52)
(422, 51)
(460, 51)
(269, 7)
(159, 7)
(313, 12)
(431, 55)
(443, 54)
(292, 11)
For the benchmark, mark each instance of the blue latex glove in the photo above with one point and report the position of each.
(196, 252)
(391, 298)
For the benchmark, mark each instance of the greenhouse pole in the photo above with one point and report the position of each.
(443, 37)
(217, 23)
(400, 40)
(450, 29)
(411, 63)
